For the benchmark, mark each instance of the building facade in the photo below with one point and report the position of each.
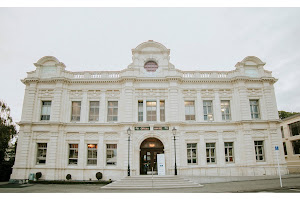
(225, 122)
(290, 130)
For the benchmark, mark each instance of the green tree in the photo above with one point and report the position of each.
(284, 114)
(7, 132)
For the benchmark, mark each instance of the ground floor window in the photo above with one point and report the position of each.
(210, 152)
(296, 146)
(111, 154)
(192, 153)
(92, 154)
(259, 151)
(229, 157)
(41, 153)
(73, 153)
(284, 148)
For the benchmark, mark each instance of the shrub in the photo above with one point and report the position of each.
(99, 175)
(38, 175)
(68, 177)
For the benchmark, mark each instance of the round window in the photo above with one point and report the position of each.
(151, 66)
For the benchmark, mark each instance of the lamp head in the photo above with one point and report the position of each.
(129, 131)
(174, 131)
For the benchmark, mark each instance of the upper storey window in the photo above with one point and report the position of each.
(112, 112)
(189, 110)
(151, 66)
(295, 128)
(76, 107)
(46, 109)
(254, 107)
(151, 110)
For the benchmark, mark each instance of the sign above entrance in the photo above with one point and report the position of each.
(142, 128)
(161, 128)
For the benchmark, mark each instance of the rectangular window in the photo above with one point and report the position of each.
(162, 110)
(151, 110)
(189, 110)
(76, 107)
(192, 153)
(46, 110)
(73, 153)
(296, 146)
(295, 128)
(140, 111)
(211, 152)
(112, 111)
(94, 111)
(208, 110)
(41, 153)
(259, 151)
(111, 154)
(284, 148)
(254, 107)
(282, 132)
(92, 154)
(229, 157)
(225, 109)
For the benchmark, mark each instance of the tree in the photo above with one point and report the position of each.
(7, 132)
(284, 114)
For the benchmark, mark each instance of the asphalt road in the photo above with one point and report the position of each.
(290, 185)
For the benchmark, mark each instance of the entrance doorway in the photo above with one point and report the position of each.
(150, 147)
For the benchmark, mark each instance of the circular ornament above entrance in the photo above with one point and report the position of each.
(151, 66)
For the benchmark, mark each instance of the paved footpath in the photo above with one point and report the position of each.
(290, 185)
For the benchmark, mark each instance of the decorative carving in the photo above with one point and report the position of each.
(225, 92)
(72, 136)
(94, 94)
(76, 93)
(254, 91)
(91, 136)
(207, 93)
(42, 135)
(111, 136)
(189, 93)
(112, 93)
(46, 93)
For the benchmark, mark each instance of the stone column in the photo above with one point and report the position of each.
(199, 107)
(84, 107)
(103, 112)
(217, 107)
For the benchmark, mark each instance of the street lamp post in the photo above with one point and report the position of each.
(128, 133)
(174, 133)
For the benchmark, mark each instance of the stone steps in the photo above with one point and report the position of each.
(147, 182)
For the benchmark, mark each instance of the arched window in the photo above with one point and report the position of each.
(151, 66)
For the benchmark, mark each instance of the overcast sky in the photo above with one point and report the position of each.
(102, 39)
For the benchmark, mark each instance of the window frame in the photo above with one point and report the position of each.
(208, 150)
(191, 158)
(113, 150)
(190, 109)
(72, 112)
(115, 108)
(293, 142)
(92, 158)
(205, 108)
(73, 158)
(257, 154)
(227, 117)
(153, 111)
(44, 149)
(294, 128)
(162, 109)
(48, 109)
(140, 110)
(252, 109)
(228, 154)
(95, 116)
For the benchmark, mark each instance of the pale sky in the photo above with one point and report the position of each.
(96, 39)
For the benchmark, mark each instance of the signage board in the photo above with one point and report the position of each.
(161, 168)
(161, 128)
(276, 148)
(142, 128)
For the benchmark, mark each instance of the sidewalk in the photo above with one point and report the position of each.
(291, 184)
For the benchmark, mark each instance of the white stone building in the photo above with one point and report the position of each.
(290, 129)
(76, 122)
